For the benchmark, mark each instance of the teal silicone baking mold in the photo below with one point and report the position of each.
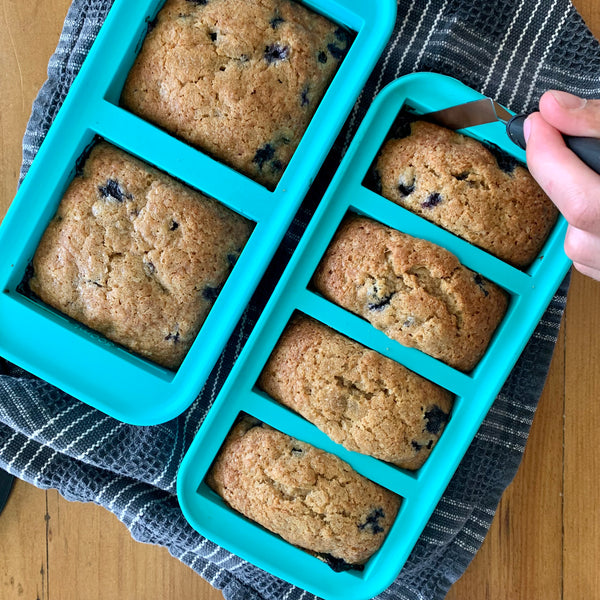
(530, 292)
(83, 363)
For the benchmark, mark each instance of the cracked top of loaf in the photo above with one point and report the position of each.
(309, 497)
(458, 183)
(136, 255)
(416, 292)
(239, 79)
(358, 397)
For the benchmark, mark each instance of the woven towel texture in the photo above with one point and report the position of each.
(511, 50)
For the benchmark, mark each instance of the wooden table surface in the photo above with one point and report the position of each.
(545, 540)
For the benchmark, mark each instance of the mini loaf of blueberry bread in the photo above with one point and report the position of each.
(309, 497)
(358, 397)
(239, 79)
(416, 292)
(136, 255)
(457, 183)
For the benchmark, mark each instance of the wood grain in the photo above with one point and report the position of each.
(522, 554)
(544, 540)
(23, 544)
(29, 34)
(581, 551)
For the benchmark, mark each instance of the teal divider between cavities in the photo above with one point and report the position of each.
(71, 356)
(530, 292)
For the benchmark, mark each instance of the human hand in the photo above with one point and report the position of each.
(570, 184)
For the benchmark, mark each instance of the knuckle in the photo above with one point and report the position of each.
(580, 210)
(592, 107)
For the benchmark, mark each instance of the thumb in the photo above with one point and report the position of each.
(571, 185)
(571, 114)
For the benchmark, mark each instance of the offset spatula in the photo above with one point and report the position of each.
(480, 112)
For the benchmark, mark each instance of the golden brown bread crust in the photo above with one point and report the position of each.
(456, 182)
(239, 79)
(416, 292)
(309, 497)
(358, 397)
(136, 255)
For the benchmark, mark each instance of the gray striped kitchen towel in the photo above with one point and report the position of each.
(511, 50)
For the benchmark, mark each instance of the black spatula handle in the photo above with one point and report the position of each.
(586, 148)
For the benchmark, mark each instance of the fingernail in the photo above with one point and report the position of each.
(526, 129)
(568, 101)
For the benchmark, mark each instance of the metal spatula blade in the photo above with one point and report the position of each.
(470, 114)
(480, 112)
(486, 110)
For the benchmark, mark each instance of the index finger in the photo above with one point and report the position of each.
(570, 114)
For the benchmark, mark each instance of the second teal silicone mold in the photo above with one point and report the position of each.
(530, 292)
